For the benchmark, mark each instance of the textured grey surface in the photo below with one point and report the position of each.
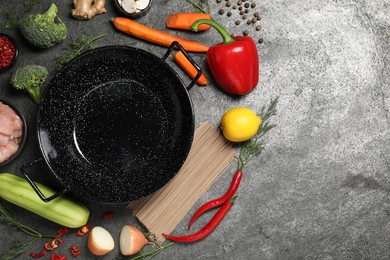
(321, 188)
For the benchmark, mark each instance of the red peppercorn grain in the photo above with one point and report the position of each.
(7, 51)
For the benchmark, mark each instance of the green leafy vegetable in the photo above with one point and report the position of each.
(80, 45)
(30, 78)
(44, 30)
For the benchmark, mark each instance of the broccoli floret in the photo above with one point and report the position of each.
(44, 30)
(30, 78)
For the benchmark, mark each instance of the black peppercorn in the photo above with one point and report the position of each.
(221, 11)
(253, 5)
(238, 22)
(243, 17)
(260, 40)
(245, 33)
(246, 5)
(229, 14)
(228, 4)
(258, 28)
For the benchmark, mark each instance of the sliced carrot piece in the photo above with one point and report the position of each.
(186, 65)
(184, 21)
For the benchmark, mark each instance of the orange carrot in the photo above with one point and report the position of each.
(183, 21)
(186, 65)
(155, 36)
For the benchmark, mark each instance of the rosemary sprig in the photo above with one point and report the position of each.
(15, 251)
(255, 146)
(14, 17)
(201, 5)
(8, 218)
(80, 45)
(147, 254)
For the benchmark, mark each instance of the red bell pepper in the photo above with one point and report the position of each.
(234, 63)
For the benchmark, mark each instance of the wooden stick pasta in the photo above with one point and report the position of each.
(209, 157)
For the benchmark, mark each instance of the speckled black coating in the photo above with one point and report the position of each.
(115, 124)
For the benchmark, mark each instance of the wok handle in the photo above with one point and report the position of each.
(176, 44)
(34, 186)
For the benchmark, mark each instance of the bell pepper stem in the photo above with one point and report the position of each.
(227, 38)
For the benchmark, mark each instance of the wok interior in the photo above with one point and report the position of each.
(116, 124)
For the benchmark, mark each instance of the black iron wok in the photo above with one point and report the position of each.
(115, 124)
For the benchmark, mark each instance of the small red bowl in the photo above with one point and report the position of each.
(13, 59)
(24, 135)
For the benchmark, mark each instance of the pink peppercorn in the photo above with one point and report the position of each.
(7, 51)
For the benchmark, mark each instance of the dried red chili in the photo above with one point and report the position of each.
(62, 231)
(74, 251)
(206, 230)
(58, 257)
(7, 51)
(107, 215)
(37, 255)
(219, 201)
(83, 230)
(50, 246)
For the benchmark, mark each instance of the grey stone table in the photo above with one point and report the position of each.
(321, 188)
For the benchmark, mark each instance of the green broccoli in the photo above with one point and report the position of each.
(30, 78)
(44, 30)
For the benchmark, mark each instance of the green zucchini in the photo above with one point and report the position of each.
(61, 210)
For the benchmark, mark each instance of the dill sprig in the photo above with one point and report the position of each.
(8, 218)
(18, 249)
(255, 146)
(80, 45)
(14, 17)
(149, 254)
(201, 5)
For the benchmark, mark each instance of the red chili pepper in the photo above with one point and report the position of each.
(75, 251)
(62, 231)
(219, 201)
(38, 255)
(233, 63)
(83, 230)
(107, 215)
(58, 257)
(206, 230)
(50, 246)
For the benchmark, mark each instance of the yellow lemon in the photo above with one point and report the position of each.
(240, 124)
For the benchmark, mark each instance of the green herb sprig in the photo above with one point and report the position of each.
(80, 45)
(201, 5)
(255, 146)
(147, 254)
(18, 248)
(14, 17)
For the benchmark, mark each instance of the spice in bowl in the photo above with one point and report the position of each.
(8, 51)
(133, 8)
(12, 132)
